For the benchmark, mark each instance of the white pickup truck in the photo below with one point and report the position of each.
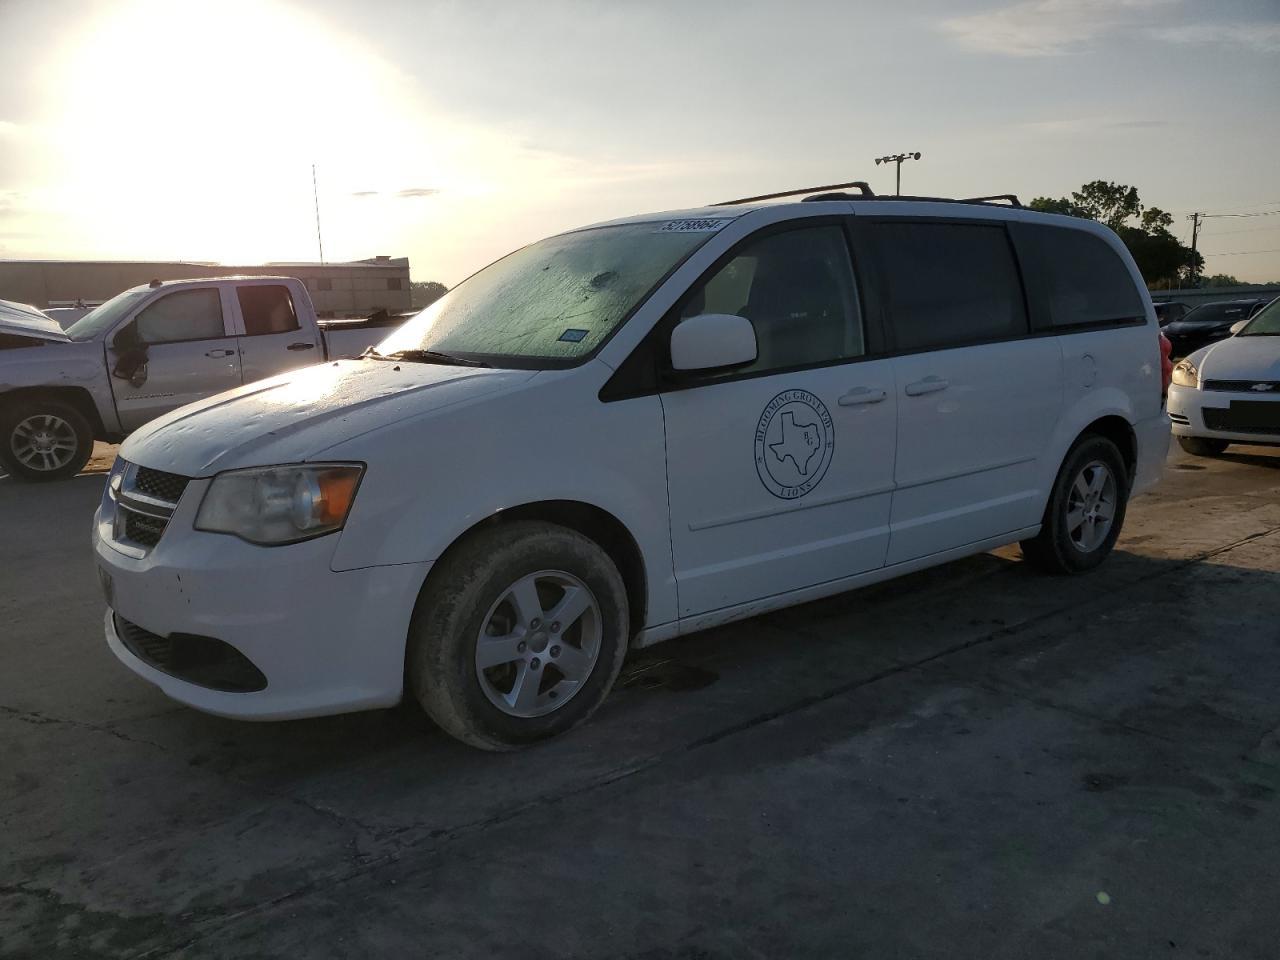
(147, 351)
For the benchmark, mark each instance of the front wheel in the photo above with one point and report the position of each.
(1085, 511)
(1202, 446)
(44, 440)
(518, 635)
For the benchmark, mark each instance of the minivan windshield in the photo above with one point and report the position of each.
(105, 316)
(554, 301)
(1266, 323)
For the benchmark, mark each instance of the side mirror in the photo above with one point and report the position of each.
(1238, 326)
(131, 356)
(713, 341)
(126, 338)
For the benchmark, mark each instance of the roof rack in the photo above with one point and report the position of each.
(864, 191)
(817, 194)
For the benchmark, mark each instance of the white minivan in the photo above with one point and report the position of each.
(629, 432)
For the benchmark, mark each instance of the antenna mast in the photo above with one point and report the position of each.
(315, 192)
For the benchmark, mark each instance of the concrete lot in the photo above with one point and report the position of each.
(971, 762)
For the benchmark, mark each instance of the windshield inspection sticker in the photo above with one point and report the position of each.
(692, 226)
(794, 442)
(572, 335)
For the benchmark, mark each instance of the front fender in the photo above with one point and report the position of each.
(432, 478)
(75, 365)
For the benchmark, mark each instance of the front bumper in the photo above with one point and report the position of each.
(1187, 406)
(326, 642)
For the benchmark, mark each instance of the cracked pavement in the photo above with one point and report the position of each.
(973, 761)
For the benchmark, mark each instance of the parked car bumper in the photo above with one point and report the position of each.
(1218, 415)
(277, 634)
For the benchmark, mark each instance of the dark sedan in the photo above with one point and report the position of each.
(1171, 311)
(1209, 323)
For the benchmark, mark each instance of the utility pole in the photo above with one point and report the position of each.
(898, 158)
(315, 192)
(1195, 233)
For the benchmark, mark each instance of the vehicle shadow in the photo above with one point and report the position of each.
(1179, 648)
(680, 691)
(1258, 457)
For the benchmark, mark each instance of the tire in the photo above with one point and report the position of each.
(474, 590)
(1202, 446)
(1064, 546)
(43, 440)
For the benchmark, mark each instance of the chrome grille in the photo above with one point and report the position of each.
(142, 529)
(161, 485)
(1244, 386)
(143, 499)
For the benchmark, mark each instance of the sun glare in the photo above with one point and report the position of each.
(191, 127)
(187, 129)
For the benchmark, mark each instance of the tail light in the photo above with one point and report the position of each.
(1166, 365)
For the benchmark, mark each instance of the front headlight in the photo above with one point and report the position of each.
(1185, 374)
(278, 505)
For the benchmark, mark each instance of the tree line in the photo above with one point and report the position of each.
(1164, 261)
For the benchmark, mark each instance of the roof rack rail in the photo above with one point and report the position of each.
(862, 186)
(1008, 198)
(865, 192)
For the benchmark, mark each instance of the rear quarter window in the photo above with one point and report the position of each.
(1076, 279)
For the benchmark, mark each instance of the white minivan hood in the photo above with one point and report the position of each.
(293, 417)
(1241, 358)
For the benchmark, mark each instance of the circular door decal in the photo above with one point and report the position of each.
(794, 442)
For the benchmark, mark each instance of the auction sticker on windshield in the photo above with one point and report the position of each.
(692, 226)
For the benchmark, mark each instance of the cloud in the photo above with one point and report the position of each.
(1263, 37)
(9, 129)
(1078, 125)
(1043, 28)
(1138, 124)
(407, 193)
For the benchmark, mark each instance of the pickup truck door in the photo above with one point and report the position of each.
(269, 333)
(174, 351)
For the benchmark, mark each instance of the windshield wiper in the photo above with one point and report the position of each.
(429, 356)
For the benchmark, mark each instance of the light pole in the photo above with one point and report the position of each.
(898, 158)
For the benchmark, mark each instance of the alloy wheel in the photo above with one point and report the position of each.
(538, 643)
(1091, 506)
(43, 442)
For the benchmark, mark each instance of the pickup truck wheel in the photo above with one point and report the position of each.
(44, 440)
(1085, 511)
(1202, 446)
(518, 635)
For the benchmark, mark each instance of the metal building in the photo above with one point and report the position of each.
(352, 289)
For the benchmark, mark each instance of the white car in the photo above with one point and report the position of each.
(629, 432)
(1229, 392)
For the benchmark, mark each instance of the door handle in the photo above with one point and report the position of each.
(860, 395)
(301, 346)
(927, 385)
(217, 354)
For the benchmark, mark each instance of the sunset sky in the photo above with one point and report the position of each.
(452, 132)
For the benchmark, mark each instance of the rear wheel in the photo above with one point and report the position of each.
(44, 440)
(1202, 446)
(518, 635)
(1085, 511)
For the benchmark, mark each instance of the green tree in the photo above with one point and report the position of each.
(423, 293)
(1161, 257)
(1221, 280)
